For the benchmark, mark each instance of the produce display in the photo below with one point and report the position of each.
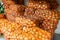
(36, 21)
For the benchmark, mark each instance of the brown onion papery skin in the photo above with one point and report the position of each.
(13, 10)
(30, 14)
(7, 3)
(50, 18)
(14, 31)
